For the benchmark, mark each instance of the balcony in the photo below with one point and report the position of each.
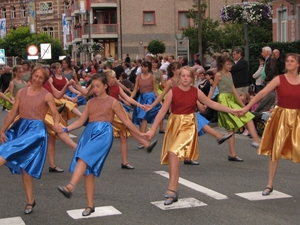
(68, 15)
(104, 3)
(77, 35)
(101, 31)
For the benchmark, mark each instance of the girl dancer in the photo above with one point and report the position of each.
(281, 135)
(181, 137)
(96, 140)
(229, 97)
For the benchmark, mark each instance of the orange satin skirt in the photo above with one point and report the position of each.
(180, 138)
(281, 137)
(119, 126)
(67, 111)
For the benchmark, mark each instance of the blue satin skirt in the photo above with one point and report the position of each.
(201, 122)
(81, 99)
(140, 114)
(93, 147)
(26, 147)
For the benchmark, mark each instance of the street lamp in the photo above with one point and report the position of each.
(246, 31)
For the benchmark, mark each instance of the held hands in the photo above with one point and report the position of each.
(238, 112)
(58, 128)
(147, 107)
(71, 82)
(3, 137)
(148, 135)
(202, 108)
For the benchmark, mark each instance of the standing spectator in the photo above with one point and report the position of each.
(127, 59)
(280, 62)
(132, 75)
(74, 66)
(98, 57)
(257, 75)
(240, 72)
(270, 69)
(118, 69)
(95, 21)
(5, 80)
(197, 65)
(214, 62)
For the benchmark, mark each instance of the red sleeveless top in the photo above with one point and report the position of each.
(47, 86)
(184, 102)
(288, 95)
(59, 83)
(114, 91)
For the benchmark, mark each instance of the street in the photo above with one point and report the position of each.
(215, 192)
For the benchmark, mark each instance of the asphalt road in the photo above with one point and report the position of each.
(207, 193)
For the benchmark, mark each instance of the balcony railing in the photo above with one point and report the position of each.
(69, 37)
(77, 33)
(101, 29)
(104, 1)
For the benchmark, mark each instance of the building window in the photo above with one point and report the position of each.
(108, 17)
(23, 11)
(45, 7)
(48, 30)
(13, 12)
(282, 25)
(183, 21)
(149, 17)
(66, 5)
(3, 13)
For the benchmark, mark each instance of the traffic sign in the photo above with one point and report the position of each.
(32, 50)
(2, 57)
(46, 51)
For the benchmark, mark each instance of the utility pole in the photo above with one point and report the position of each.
(199, 30)
(246, 32)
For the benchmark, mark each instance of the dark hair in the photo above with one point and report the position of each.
(261, 58)
(198, 61)
(155, 60)
(171, 67)
(102, 77)
(15, 69)
(209, 72)
(239, 51)
(222, 59)
(26, 62)
(67, 59)
(147, 64)
(124, 75)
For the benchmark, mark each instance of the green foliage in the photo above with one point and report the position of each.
(16, 42)
(156, 47)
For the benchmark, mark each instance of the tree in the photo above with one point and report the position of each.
(156, 47)
(16, 42)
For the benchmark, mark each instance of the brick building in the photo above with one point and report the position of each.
(286, 20)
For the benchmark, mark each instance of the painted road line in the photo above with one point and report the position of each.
(12, 221)
(257, 196)
(72, 136)
(196, 187)
(181, 204)
(99, 211)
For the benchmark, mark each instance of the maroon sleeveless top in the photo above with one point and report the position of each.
(145, 85)
(59, 83)
(184, 102)
(47, 86)
(100, 109)
(33, 106)
(114, 91)
(288, 95)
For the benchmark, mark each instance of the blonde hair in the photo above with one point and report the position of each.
(190, 70)
(109, 73)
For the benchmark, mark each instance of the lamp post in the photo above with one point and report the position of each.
(246, 31)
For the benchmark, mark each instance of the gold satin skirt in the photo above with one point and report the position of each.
(49, 122)
(67, 111)
(281, 137)
(119, 126)
(180, 138)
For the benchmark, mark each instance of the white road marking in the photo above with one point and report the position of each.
(182, 203)
(72, 136)
(257, 196)
(196, 187)
(99, 211)
(12, 221)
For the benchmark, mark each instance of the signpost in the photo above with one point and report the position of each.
(46, 51)
(2, 57)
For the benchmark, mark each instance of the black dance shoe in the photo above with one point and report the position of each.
(190, 162)
(127, 166)
(235, 159)
(88, 211)
(67, 193)
(224, 138)
(151, 146)
(55, 169)
(29, 210)
(170, 198)
(267, 191)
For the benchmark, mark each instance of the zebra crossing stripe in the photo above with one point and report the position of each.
(12, 221)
